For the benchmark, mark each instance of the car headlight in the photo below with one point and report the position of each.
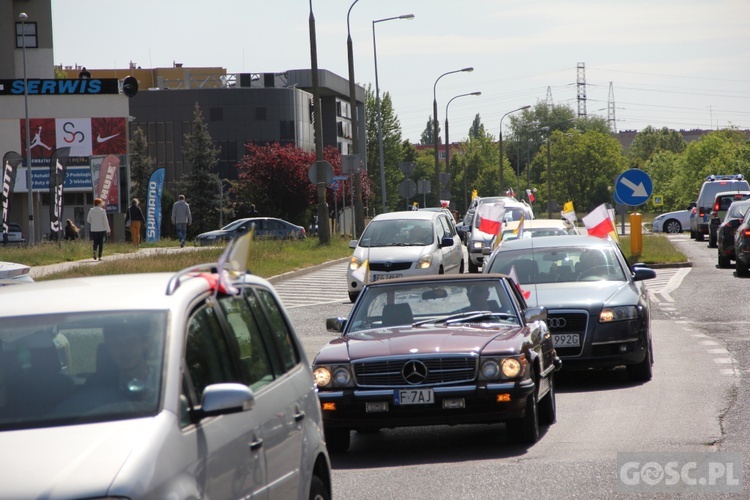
(620, 313)
(495, 368)
(332, 376)
(477, 245)
(354, 263)
(424, 261)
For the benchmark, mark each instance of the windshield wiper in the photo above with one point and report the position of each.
(467, 316)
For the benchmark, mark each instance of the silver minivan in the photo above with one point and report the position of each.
(699, 216)
(156, 385)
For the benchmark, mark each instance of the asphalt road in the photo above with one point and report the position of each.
(687, 407)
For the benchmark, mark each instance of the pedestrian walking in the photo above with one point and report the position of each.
(98, 226)
(71, 231)
(134, 215)
(181, 218)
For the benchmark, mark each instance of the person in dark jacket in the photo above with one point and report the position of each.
(135, 216)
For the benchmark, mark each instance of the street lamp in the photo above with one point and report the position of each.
(549, 172)
(324, 235)
(377, 101)
(359, 217)
(448, 144)
(501, 142)
(23, 17)
(435, 128)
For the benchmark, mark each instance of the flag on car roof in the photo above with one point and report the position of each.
(526, 294)
(598, 223)
(530, 195)
(568, 212)
(490, 217)
(518, 231)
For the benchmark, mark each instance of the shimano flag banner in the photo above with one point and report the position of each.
(11, 162)
(153, 205)
(58, 163)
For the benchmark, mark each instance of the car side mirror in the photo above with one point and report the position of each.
(221, 399)
(643, 273)
(335, 324)
(532, 314)
(446, 242)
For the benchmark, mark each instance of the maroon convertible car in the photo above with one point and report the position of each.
(434, 350)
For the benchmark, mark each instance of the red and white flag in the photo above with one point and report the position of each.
(490, 217)
(526, 294)
(530, 195)
(598, 222)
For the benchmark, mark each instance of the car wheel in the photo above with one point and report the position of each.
(473, 268)
(548, 405)
(441, 270)
(526, 429)
(461, 267)
(699, 236)
(353, 296)
(712, 241)
(642, 372)
(740, 267)
(318, 490)
(672, 226)
(338, 440)
(692, 234)
(724, 261)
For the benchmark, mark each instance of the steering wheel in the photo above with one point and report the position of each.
(595, 272)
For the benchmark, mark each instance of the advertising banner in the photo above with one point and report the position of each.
(58, 163)
(11, 161)
(108, 183)
(153, 205)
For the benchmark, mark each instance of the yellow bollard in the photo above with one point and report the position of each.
(636, 235)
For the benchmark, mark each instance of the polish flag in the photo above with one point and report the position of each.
(530, 195)
(490, 217)
(526, 294)
(598, 223)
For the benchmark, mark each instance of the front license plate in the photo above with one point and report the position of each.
(378, 277)
(566, 340)
(413, 397)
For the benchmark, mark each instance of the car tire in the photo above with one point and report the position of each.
(643, 371)
(338, 440)
(353, 296)
(548, 405)
(461, 267)
(692, 234)
(473, 268)
(699, 236)
(712, 243)
(525, 430)
(318, 490)
(741, 268)
(724, 261)
(672, 226)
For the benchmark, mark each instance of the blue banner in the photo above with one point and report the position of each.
(153, 205)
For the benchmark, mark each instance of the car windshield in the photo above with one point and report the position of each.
(430, 302)
(736, 211)
(234, 225)
(511, 234)
(400, 232)
(68, 369)
(559, 265)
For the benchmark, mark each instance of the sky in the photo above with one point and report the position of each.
(678, 64)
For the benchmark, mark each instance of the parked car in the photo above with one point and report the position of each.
(464, 226)
(12, 273)
(598, 310)
(265, 228)
(742, 247)
(719, 210)
(156, 385)
(400, 244)
(706, 197)
(476, 240)
(430, 350)
(672, 222)
(726, 230)
(14, 235)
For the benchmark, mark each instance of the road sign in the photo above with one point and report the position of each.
(407, 167)
(633, 187)
(658, 200)
(328, 173)
(407, 188)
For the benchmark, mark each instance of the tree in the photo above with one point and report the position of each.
(477, 128)
(650, 140)
(428, 135)
(478, 163)
(392, 150)
(141, 165)
(201, 185)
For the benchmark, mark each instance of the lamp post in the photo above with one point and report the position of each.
(359, 216)
(435, 130)
(23, 17)
(324, 234)
(501, 142)
(448, 144)
(549, 172)
(377, 101)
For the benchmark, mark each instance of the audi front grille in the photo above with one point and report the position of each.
(568, 322)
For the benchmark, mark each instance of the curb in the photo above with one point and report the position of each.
(306, 270)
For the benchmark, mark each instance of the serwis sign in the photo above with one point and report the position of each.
(96, 86)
